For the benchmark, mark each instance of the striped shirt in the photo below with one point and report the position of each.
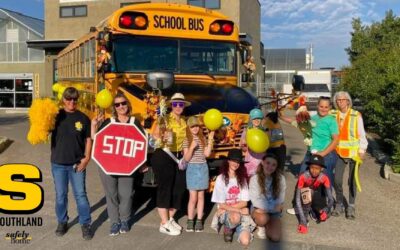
(198, 153)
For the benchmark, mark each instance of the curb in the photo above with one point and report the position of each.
(390, 175)
(3, 143)
(376, 152)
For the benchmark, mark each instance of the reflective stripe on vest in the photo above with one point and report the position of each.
(349, 142)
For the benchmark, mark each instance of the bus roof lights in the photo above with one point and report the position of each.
(227, 28)
(126, 20)
(215, 27)
(133, 20)
(140, 21)
(221, 27)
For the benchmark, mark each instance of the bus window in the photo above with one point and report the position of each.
(141, 54)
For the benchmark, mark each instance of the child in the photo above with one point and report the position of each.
(252, 159)
(267, 194)
(195, 151)
(277, 141)
(313, 189)
(231, 194)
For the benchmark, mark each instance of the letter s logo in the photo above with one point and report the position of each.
(17, 180)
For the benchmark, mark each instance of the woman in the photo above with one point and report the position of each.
(231, 193)
(325, 137)
(267, 194)
(118, 189)
(171, 181)
(252, 159)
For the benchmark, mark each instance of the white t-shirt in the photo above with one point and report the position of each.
(229, 194)
(266, 202)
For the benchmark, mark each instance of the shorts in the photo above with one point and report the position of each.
(197, 176)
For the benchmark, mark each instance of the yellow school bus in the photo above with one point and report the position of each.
(198, 47)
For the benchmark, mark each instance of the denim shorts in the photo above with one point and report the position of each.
(197, 176)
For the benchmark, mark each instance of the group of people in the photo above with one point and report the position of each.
(250, 190)
(338, 140)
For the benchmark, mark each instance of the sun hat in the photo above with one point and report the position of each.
(178, 97)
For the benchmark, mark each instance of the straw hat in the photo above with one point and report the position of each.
(178, 97)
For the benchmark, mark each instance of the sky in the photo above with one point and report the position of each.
(326, 24)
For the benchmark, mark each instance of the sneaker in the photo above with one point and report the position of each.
(215, 225)
(61, 229)
(169, 229)
(228, 234)
(338, 211)
(291, 211)
(313, 216)
(351, 213)
(261, 233)
(174, 224)
(190, 226)
(124, 227)
(199, 227)
(86, 232)
(114, 230)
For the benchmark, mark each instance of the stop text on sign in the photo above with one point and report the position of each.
(118, 145)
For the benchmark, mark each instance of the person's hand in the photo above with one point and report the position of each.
(99, 118)
(244, 148)
(302, 229)
(323, 215)
(82, 165)
(211, 135)
(244, 210)
(278, 208)
(193, 145)
(361, 154)
(143, 169)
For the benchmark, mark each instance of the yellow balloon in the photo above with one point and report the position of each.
(213, 119)
(257, 140)
(55, 87)
(104, 99)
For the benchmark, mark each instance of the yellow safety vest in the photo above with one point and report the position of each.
(349, 141)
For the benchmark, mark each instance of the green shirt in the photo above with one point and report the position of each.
(322, 132)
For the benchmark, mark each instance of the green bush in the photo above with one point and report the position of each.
(374, 77)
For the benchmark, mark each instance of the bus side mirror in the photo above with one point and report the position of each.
(298, 82)
(160, 80)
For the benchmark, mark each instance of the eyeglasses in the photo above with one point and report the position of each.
(71, 99)
(178, 104)
(341, 100)
(117, 104)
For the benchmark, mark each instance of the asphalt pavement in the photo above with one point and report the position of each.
(376, 225)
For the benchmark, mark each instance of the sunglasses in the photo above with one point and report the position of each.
(178, 104)
(71, 99)
(117, 104)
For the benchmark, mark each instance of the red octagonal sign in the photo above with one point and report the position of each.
(120, 149)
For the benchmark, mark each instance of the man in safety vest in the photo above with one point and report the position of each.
(352, 145)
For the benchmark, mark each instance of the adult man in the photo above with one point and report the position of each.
(352, 143)
(70, 154)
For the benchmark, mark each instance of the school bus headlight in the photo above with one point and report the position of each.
(133, 20)
(215, 27)
(221, 27)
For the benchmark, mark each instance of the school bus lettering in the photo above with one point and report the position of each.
(17, 180)
(172, 22)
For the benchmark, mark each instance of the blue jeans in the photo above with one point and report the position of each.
(330, 162)
(62, 174)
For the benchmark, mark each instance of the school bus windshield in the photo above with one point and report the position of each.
(143, 54)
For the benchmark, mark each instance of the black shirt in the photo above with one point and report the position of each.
(136, 122)
(68, 139)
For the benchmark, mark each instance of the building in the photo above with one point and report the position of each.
(67, 20)
(21, 68)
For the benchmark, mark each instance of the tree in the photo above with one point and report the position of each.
(374, 77)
